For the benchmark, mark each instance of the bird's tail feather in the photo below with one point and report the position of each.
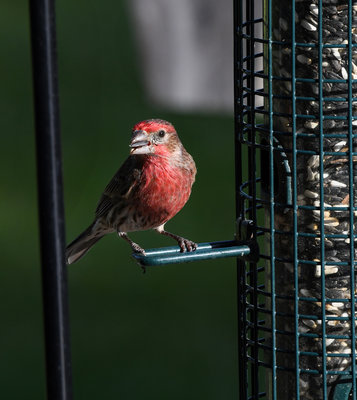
(79, 247)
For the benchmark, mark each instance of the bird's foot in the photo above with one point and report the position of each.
(186, 244)
(137, 249)
(183, 243)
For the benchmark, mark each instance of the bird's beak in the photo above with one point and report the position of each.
(140, 143)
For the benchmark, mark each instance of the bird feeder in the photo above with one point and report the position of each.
(296, 120)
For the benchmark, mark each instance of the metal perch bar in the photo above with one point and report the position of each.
(205, 251)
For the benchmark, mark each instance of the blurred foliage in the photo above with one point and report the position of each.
(167, 334)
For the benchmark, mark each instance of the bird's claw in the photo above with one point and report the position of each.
(137, 249)
(186, 244)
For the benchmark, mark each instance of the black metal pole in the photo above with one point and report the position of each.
(50, 195)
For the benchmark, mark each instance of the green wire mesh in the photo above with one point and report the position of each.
(295, 96)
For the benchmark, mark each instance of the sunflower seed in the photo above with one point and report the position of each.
(337, 184)
(313, 161)
(314, 9)
(310, 174)
(344, 73)
(310, 323)
(303, 59)
(305, 293)
(311, 124)
(329, 270)
(331, 222)
(338, 146)
(311, 195)
(308, 26)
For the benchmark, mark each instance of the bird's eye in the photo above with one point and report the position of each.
(161, 133)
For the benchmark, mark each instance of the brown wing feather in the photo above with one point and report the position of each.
(122, 185)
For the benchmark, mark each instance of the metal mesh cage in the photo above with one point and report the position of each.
(296, 119)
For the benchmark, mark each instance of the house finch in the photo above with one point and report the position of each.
(151, 187)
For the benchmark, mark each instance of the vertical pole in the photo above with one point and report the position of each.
(50, 197)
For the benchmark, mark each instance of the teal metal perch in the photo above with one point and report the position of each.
(204, 251)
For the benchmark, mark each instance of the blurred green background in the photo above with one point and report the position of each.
(168, 334)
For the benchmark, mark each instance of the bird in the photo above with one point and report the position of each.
(151, 187)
